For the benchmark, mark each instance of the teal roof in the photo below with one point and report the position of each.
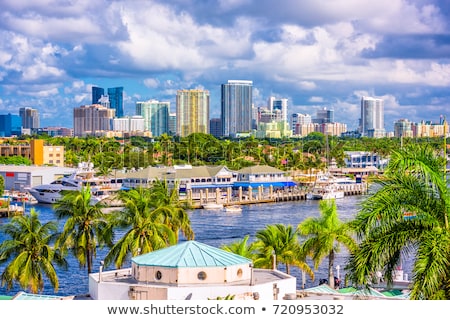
(31, 296)
(190, 254)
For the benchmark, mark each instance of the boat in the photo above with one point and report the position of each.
(212, 206)
(82, 177)
(325, 192)
(234, 208)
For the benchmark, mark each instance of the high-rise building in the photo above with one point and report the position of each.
(156, 116)
(97, 93)
(116, 100)
(215, 127)
(279, 106)
(30, 118)
(372, 117)
(172, 123)
(129, 124)
(324, 116)
(236, 107)
(192, 112)
(10, 125)
(92, 120)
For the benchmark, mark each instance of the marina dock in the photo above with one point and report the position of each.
(261, 195)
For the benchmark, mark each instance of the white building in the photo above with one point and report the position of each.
(129, 124)
(372, 117)
(190, 271)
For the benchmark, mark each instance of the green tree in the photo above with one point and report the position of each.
(242, 248)
(414, 183)
(170, 209)
(86, 226)
(30, 253)
(280, 242)
(325, 235)
(146, 231)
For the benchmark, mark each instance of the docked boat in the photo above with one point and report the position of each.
(212, 206)
(325, 192)
(84, 176)
(235, 208)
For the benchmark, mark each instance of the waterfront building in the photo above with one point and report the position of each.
(10, 125)
(92, 120)
(20, 178)
(156, 116)
(30, 118)
(262, 176)
(324, 116)
(190, 270)
(331, 128)
(372, 117)
(364, 159)
(192, 112)
(236, 107)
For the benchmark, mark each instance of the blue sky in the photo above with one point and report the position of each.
(316, 53)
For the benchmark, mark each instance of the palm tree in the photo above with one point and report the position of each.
(279, 243)
(413, 183)
(86, 226)
(171, 209)
(145, 230)
(30, 253)
(325, 234)
(241, 248)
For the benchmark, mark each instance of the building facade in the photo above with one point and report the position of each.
(156, 116)
(372, 117)
(30, 118)
(97, 94)
(10, 125)
(192, 112)
(92, 120)
(129, 124)
(236, 107)
(115, 96)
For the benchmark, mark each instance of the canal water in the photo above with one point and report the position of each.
(215, 228)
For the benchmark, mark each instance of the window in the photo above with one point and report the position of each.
(201, 275)
(158, 275)
(239, 273)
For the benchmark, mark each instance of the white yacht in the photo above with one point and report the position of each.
(82, 177)
(325, 192)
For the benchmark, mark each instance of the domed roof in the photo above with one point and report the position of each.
(190, 254)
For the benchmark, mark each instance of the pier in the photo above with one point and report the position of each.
(261, 195)
(11, 210)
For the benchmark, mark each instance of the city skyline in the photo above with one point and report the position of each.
(312, 53)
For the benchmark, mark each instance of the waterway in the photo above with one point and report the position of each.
(215, 228)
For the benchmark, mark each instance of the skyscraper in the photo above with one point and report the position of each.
(92, 120)
(192, 112)
(372, 117)
(97, 93)
(116, 100)
(30, 118)
(279, 106)
(236, 107)
(156, 116)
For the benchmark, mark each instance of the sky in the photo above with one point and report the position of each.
(316, 53)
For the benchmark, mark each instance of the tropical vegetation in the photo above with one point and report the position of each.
(30, 254)
(325, 235)
(407, 215)
(86, 227)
